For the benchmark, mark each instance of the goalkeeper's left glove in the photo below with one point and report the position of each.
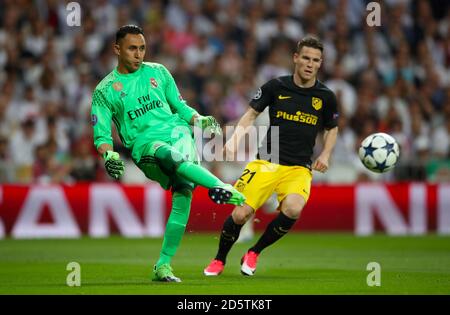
(208, 122)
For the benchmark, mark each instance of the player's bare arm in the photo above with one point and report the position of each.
(247, 120)
(322, 162)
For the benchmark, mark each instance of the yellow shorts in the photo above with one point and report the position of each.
(261, 178)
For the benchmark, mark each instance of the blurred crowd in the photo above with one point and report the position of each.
(393, 78)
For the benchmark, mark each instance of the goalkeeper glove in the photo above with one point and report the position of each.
(113, 164)
(208, 122)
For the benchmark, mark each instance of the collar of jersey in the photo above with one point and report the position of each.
(302, 88)
(128, 75)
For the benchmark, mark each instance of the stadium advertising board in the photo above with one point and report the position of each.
(99, 210)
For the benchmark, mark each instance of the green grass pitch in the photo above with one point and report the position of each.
(299, 263)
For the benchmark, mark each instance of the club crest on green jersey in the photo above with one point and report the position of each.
(153, 82)
(118, 86)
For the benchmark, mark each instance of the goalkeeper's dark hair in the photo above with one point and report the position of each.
(310, 41)
(128, 29)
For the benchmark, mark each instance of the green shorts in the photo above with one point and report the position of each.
(148, 164)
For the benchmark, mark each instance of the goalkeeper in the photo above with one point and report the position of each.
(153, 121)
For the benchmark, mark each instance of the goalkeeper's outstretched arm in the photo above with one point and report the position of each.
(101, 116)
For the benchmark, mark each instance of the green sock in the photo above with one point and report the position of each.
(198, 175)
(181, 206)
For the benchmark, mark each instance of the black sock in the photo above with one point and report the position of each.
(229, 235)
(274, 231)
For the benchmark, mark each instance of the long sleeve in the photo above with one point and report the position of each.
(101, 116)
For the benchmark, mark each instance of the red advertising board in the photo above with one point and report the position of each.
(99, 210)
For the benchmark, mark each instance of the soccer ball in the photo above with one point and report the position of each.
(379, 152)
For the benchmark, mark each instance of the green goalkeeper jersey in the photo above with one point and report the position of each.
(144, 105)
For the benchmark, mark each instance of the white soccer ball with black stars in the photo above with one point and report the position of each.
(379, 152)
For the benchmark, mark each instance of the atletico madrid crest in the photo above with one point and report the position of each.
(316, 103)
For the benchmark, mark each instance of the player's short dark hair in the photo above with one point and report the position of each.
(128, 29)
(310, 41)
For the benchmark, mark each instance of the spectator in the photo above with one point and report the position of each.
(84, 164)
(6, 164)
(22, 147)
(199, 53)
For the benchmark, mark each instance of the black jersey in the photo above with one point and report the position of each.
(299, 113)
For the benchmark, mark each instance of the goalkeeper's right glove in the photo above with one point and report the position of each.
(113, 164)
